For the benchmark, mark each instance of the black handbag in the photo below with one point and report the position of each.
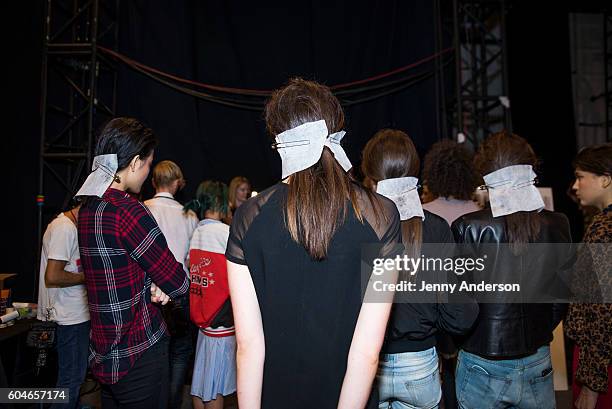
(42, 335)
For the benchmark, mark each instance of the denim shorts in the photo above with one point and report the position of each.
(523, 383)
(409, 380)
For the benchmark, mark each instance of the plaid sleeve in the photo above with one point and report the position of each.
(147, 246)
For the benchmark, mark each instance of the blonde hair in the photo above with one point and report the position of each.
(166, 172)
(233, 187)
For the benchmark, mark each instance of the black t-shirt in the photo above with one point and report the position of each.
(309, 308)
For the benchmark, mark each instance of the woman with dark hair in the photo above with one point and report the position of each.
(451, 179)
(589, 324)
(214, 372)
(125, 258)
(505, 359)
(305, 338)
(408, 372)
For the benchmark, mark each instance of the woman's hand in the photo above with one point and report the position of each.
(158, 296)
(587, 399)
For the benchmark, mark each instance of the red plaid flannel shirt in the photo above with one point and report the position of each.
(122, 252)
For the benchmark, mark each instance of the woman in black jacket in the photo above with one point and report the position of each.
(408, 370)
(505, 359)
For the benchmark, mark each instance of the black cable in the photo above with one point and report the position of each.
(348, 103)
(258, 105)
(385, 84)
(198, 94)
(414, 80)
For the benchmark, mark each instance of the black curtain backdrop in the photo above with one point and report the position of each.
(21, 36)
(255, 45)
(541, 95)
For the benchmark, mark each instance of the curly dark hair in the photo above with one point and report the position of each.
(448, 170)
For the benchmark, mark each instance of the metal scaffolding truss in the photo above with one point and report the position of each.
(607, 51)
(78, 94)
(480, 104)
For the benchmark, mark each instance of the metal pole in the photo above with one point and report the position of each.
(472, 42)
(93, 74)
(445, 132)
(504, 67)
(116, 48)
(484, 75)
(457, 42)
(607, 97)
(43, 130)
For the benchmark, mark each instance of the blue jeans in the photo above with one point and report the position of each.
(409, 380)
(72, 353)
(523, 383)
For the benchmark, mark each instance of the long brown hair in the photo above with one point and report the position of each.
(498, 151)
(317, 198)
(391, 154)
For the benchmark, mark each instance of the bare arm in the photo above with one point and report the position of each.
(249, 336)
(365, 347)
(56, 276)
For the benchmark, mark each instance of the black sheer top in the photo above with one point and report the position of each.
(309, 308)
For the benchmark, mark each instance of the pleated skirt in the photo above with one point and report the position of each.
(214, 371)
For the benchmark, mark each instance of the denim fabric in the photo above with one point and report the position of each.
(409, 380)
(523, 383)
(72, 353)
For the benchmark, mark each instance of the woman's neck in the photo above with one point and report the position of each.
(120, 182)
(213, 215)
(605, 202)
(165, 189)
(121, 185)
(118, 186)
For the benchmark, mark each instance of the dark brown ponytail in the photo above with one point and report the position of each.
(498, 151)
(317, 198)
(391, 154)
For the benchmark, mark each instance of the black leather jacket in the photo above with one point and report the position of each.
(513, 330)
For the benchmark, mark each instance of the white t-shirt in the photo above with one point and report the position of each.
(176, 225)
(67, 305)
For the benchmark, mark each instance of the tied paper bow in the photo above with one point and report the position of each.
(512, 189)
(404, 193)
(103, 172)
(302, 146)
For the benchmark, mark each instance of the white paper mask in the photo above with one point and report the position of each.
(404, 193)
(511, 189)
(302, 146)
(103, 170)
